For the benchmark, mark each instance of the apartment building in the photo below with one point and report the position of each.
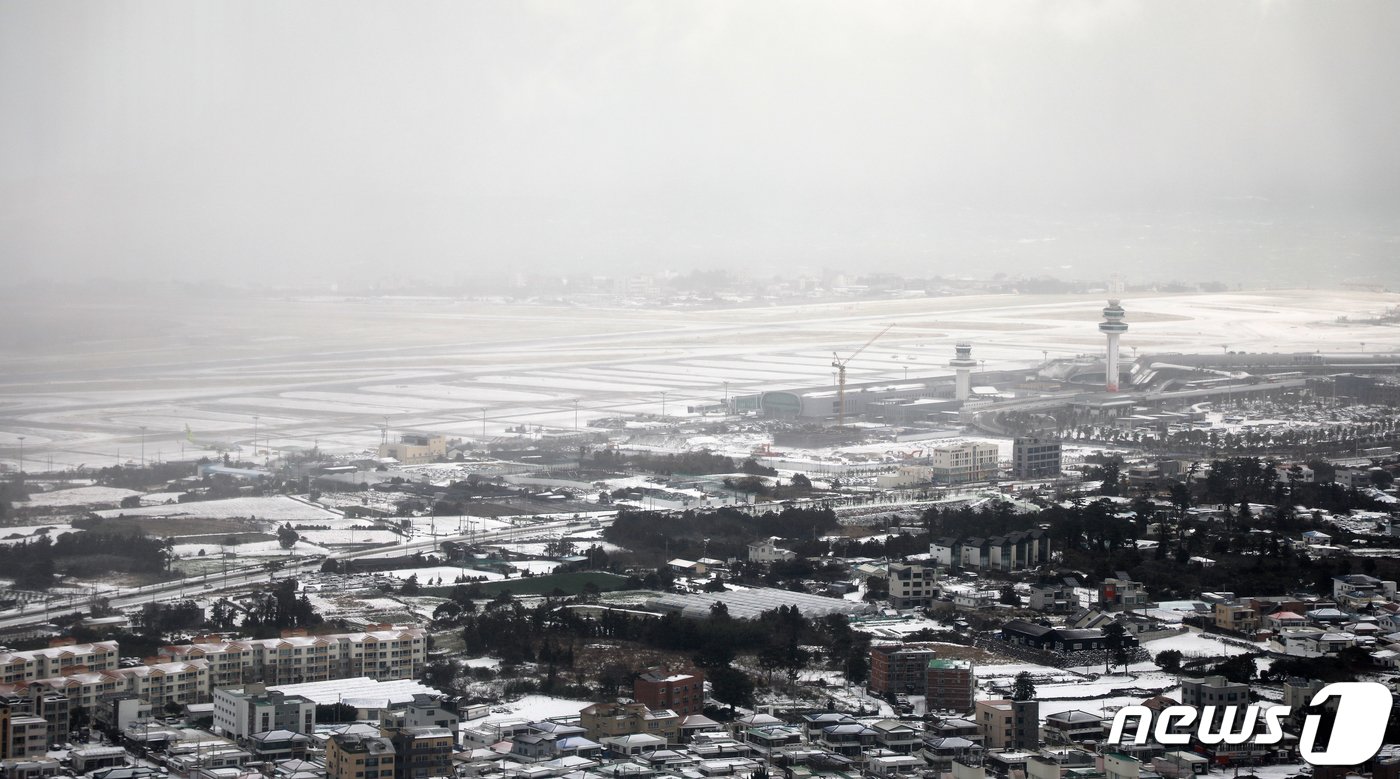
(899, 668)
(965, 462)
(1035, 458)
(1012, 552)
(1008, 724)
(350, 756)
(59, 660)
(157, 684)
(951, 685)
(682, 693)
(420, 753)
(383, 654)
(912, 585)
(22, 734)
(241, 712)
(164, 683)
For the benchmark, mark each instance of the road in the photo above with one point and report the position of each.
(180, 588)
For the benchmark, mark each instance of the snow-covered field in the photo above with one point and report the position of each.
(79, 496)
(277, 508)
(1194, 645)
(446, 573)
(536, 707)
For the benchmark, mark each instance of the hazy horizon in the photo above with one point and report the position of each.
(1250, 142)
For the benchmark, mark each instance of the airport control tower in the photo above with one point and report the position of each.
(1112, 326)
(964, 365)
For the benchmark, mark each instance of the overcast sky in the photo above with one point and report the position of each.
(323, 140)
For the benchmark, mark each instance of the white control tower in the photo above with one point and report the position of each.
(964, 364)
(1112, 326)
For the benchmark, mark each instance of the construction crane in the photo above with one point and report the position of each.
(840, 366)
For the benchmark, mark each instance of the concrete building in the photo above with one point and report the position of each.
(359, 757)
(385, 653)
(683, 693)
(22, 735)
(58, 660)
(1122, 595)
(767, 551)
(962, 463)
(1035, 458)
(896, 668)
(1357, 590)
(606, 720)
(420, 753)
(55, 709)
(117, 711)
(424, 711)
(1007, 724)
(1012, 552)
(912, 585)
(241, 712)
(416, 448)
(1073, 727)
(1213, 691)
(1053, 598)
(1237, 617)
(950, 685)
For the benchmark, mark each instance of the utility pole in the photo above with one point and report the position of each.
(21, 452)
(663, 404)
(575, 415)
(143, 446)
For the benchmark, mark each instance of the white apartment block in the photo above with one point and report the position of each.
(19, 667)
(241, 712)
(383, 655)
(966, 462)
(159, 684)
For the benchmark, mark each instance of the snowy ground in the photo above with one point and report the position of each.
(447, 573)
(79, 496)
(1194, 645)
(536, 707)
(277, 508)
(333, 388)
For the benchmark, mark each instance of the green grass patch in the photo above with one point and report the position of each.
(570, 583)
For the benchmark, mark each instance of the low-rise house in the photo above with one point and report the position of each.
(1073, 727)
(848, 740)
(603, 720)
(1357, 590)
(896, 736)
(1053, 598)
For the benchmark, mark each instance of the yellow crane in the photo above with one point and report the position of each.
(840, 366)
